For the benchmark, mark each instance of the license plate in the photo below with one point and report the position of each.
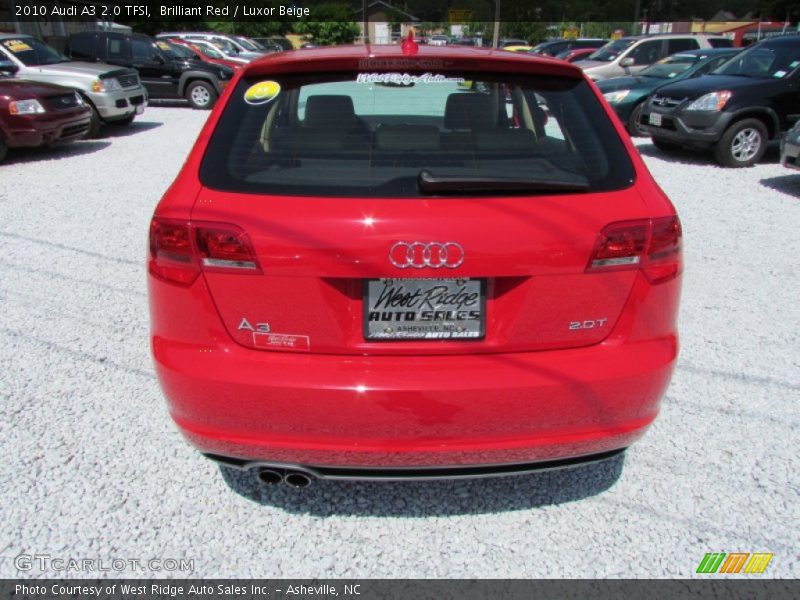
(140, 109)
(424, 309)
(655, 119)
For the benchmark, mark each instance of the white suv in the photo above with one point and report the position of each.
(629, 55)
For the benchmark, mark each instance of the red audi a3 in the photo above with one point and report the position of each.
(406, 263)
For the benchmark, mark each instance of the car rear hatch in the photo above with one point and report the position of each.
(426, 233)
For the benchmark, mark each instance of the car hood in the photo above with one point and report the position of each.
(694, 88)
(74, 68)
(629, 83)
(22, 89)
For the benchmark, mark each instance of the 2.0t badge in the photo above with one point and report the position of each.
(426, 254)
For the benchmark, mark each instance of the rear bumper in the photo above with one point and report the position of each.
(329, 411)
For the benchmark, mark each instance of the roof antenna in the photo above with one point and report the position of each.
(409, 46)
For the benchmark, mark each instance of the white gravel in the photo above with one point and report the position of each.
(92, 467)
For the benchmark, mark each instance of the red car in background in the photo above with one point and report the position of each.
(207, 53)
(363, 270)
(576, 54)
(36, 114)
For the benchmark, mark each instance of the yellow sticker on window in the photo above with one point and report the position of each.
(163, 46)
(17, 46)
(262, 92)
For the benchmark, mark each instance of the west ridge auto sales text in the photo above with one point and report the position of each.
(234, 11)
(175, 591)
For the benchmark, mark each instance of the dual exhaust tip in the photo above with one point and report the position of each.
(295, 479)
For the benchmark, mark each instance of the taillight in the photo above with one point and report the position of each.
(652, 245)
(180, 250)
(226, 247)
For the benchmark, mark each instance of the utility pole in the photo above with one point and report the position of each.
(496, 35)
(365, 20)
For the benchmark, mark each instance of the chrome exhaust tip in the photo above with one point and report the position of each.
(297, 479)
(269, 476)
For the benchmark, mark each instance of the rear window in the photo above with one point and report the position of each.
(414, 134)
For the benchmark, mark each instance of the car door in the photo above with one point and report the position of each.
(787, 99)
(645, 54)
(157, 72)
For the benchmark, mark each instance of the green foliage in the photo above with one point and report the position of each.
(328, 33)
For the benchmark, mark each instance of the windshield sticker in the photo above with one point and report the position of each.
(406, 78)
(163, 46)
(262, 92)
(17, 46)
(794, 63)
(779, 74)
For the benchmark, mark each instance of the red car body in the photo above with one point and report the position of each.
(271, 367)
(64, 117)
(199, 53)
(577, 54)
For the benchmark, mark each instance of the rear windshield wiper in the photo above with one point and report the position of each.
(431, 184)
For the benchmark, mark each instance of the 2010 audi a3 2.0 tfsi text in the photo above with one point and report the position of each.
(404, 262)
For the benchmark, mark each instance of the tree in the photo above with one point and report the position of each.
(329, 33)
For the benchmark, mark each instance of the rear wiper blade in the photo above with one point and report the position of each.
(431, 184)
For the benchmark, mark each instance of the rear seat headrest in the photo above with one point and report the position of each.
(466, 110)
(330, 112)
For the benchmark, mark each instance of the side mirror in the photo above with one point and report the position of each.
(8, 67)
(626, 62)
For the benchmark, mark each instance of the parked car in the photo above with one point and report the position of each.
(231, 45)
(556, 47)
(503, 42)
(113, 95)
(627, 95)
(210, 49)
(438, 40)
(629, 55)
(35, 114)
(576, 55)
(790, 147)
(354, 280)
(166, 70)
(525, 49)
(734, 110)
(205, 52)
(281, 42)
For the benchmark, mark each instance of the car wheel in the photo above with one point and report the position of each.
(664, 145)
(3, 150)
(633, 122)
(94, 124)
(743, 144)
(201, 95)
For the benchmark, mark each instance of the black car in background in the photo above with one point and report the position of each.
(167, 70)
(736, 109)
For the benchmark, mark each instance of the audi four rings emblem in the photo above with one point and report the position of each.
(426, 254)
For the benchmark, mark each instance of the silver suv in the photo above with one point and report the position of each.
(629, 55)
(115, 95)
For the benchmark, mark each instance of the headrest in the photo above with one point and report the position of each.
(466, 110)
(330, 112)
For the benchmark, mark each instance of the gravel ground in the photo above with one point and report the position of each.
(92, 466)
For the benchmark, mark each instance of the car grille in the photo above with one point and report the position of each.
(128, 80)
(666, 101)
(73, 130)
(62, 101)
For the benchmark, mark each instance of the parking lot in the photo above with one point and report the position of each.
(92, 466)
